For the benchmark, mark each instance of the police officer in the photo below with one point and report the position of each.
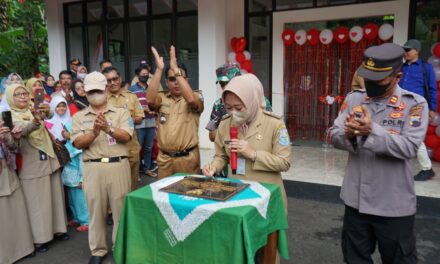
(179, 111)
(117, 96)
(381, 128)
(102, 131)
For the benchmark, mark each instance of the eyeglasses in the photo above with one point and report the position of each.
(112, 80)
(173, 78)
(407, 49)
(21, 94)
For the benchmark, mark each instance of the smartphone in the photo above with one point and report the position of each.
(7, 119)
(38, 97)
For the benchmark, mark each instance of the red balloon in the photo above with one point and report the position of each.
(312, 36)
(247, 65)
(436, 155)
(436, 50)
(240, 57)
(288, 36)
(431, 130)
(370, 31)
(432, 141)
(233, 43)
(341, 34)
(240, 45)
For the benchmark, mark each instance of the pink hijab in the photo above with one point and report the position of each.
(246, 88)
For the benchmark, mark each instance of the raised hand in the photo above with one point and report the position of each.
(158, 59)
(173, 59)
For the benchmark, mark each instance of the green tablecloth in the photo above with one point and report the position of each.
(229, 236)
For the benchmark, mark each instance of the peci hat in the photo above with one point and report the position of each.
(95, 81)
(413, 44)
(76, 62)
(381, 61)
(226, 72)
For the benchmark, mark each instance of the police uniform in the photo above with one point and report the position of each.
(177, 136)
(378, 186)
(268, 136)
(130, 102)
(106, 172)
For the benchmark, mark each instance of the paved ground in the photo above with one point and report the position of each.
(314, 231)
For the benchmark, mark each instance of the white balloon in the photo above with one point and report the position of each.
(434, 61)
(300, 37)
(326, 36)
(437, 73)
(247, 55)
(243, 71)
(356, 34)
(231, 57)
(330, 99)
(386, 31)
(435, 121)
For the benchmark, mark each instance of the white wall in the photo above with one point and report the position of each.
(399, 8)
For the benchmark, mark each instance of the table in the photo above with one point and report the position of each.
(162, 228)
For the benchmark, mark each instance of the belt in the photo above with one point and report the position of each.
(107, 160)
(182, 153)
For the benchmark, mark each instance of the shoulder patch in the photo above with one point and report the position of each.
(415, 115)
(283, 138)
(271, 114)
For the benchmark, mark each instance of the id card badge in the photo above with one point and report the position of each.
(241, 166)
(43, 156)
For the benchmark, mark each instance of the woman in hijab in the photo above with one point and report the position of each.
(263, 144)
(34, 84)
(49, 84)
(11, 79)
(79, 95)
(40, 174)
(81, 72)
(15, 231)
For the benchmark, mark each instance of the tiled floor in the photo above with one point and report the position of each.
(326, 166)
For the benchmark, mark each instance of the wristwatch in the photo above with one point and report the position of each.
(178, 73)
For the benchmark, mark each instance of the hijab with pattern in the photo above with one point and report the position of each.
(40, 138)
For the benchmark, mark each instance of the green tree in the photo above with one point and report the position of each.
(23, 37)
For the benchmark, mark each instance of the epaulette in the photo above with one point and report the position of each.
(271, 114)
(418, 98)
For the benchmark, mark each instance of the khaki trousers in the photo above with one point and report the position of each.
(44, 199)
(169, 165)
(134, 169)
(104, 184)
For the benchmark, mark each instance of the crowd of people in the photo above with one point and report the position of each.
(94, 134)
(88, 138)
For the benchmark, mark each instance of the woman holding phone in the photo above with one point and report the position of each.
(40, 174)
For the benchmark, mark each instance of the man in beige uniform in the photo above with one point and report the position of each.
(102, 131)
(119, 97)
(179, 112)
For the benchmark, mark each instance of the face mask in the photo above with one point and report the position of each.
(143, 79)
(238, 118)
(376, 90)
(82, 76)
(97, 98)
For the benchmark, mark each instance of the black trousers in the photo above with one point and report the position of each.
(394, 235)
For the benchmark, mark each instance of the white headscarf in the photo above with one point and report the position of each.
(56, 123)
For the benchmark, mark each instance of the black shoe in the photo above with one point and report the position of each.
(110, 219)
(61, 236)
(424, 175)
(41, 248)
(96, 259)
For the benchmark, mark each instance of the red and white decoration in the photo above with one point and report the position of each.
(243, 57)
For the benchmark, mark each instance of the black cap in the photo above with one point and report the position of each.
(381, 61)
(412, 44)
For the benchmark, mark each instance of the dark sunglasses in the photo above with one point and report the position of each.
(407, 49)
(173, 79)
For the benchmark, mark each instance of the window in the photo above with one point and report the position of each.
(427, 25)
(124, 30)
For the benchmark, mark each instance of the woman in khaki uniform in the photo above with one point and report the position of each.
(15, 231)
(40, 174)
(263, 144)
